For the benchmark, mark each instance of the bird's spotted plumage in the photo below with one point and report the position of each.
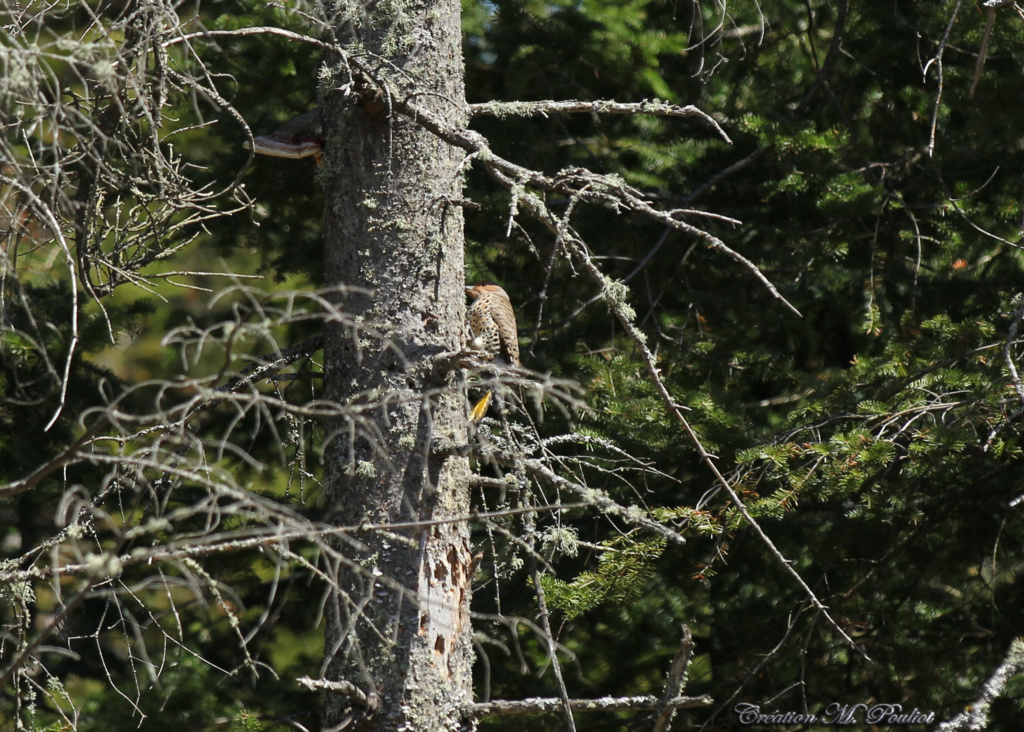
(492, 323)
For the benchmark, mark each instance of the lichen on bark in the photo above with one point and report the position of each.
(398, 620)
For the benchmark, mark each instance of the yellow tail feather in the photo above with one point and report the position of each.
(481, 407)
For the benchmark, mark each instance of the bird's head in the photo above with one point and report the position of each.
(482, 288)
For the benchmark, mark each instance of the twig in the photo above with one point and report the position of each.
(616, 294)
(341, 688)
(1011, 366)
(599, 499)
(254, 31)
(51, 221)
(65, 458)
(725, 173)
(751, 675)
(56, 622)
(674, 685)
(937, 60)
(545, 622)
(485, 482)
(990, 19)
(989, 7)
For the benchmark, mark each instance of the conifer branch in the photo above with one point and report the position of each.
(615, 295)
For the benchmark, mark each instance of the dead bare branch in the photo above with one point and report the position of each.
(503, 708)
(544, 108)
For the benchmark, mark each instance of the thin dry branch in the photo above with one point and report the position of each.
(989, 7)
(342, 688)
(556, 666)
(575, 183)
(535, 705)
(1011, 366)
(937, 60)
(600, 500)
(28, 649)
(675, 683)
(47, 215)
(656, 108)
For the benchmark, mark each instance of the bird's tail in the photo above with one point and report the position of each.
(480, 409)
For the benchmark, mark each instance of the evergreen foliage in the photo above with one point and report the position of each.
(874, 437)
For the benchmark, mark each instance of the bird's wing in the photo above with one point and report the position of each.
(505, 319)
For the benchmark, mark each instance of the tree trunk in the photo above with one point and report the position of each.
(398, 626)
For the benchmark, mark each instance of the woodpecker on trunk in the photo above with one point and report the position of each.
(492, 327)
(492, 323)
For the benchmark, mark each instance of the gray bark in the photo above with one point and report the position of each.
(398, 626)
